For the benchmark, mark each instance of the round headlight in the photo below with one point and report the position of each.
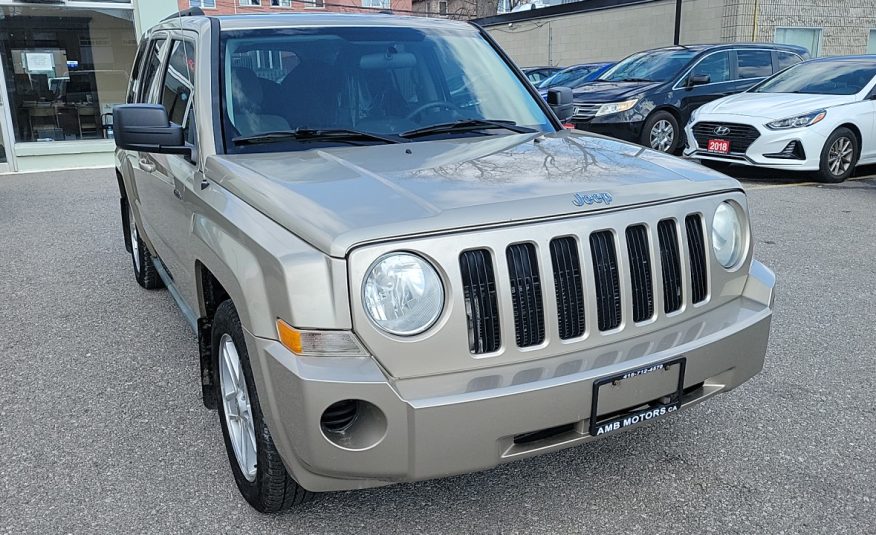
(403, 294)
(727, 238)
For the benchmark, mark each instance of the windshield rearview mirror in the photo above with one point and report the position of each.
(560, 101)
(145, 128)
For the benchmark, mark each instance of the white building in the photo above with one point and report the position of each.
(63, 65)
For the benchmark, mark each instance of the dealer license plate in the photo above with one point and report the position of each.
(719, 146)
(636, 396)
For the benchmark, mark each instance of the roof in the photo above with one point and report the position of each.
(280, 20)
(860, 57)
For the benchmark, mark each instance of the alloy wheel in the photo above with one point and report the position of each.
(238, 411)
(839, 157)
(662, 135)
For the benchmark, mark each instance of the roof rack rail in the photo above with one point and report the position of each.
(191, 12)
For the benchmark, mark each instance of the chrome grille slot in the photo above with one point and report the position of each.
(640, 272)
(670, 265)
(568, 286)
(697, 252)
(481, 307)
(585, 111)
(526, 294)
(605, 272)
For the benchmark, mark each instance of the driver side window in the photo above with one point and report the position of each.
(178, 88)
(715, 66)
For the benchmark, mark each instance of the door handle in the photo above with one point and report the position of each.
(146, 165)
(177, 193)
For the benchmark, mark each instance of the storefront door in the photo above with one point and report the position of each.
(6, 153)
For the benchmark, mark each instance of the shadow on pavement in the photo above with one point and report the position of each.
(775, 176)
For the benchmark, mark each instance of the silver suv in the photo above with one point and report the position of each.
(399, 265)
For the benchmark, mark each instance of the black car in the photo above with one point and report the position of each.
(648, 97)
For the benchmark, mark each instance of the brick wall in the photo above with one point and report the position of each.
(609, 34)
(231, 7)
(845, 24)
(612, 34)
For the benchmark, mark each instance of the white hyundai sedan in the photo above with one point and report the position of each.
(819, 115)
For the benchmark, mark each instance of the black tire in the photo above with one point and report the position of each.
(141, 259)
(272, 489)
(659, 120)
(842, 139)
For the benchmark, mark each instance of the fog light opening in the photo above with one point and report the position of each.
(353, 424)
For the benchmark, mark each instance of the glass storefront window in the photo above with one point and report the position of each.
(65, 69)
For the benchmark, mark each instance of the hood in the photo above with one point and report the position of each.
(341, 197)
(774, 105)
(611, 91)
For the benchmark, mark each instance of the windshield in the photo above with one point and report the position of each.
(653, 66)
(821, 78)
(371, 80)
(569, 76)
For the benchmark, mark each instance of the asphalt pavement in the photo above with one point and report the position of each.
(102, 429)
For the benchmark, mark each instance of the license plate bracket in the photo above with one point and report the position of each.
(657, 407)
(718, 146)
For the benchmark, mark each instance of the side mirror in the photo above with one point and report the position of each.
(145, 128)
(560, 101)
(698, 79)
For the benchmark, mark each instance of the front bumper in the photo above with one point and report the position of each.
(773, 142)
(467, 421)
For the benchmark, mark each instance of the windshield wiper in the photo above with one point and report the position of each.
(634, 80)
(312, 134)
(464, 125)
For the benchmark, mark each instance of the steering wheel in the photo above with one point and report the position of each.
(430, 105)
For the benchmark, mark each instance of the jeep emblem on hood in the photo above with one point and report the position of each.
(589, 198)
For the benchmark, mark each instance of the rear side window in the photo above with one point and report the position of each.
(150, 68)
(786, 59)
(754, 63)
(715, 66)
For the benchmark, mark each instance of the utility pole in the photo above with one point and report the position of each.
(677, 38)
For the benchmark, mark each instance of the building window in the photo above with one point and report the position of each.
(246, 3)
(281, 3)
(442, 8)
(871, 43)
(208, 4)
(379, 4)
(315, 4)
(808, 38)
(65, 69)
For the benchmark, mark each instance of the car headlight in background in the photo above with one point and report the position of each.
(616, 107)
(403, 294)
(728, 240)
(807, 119)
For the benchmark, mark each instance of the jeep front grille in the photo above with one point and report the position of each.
(481, 308)
(568, 286)
(605, 272)
(640, 272)
(526, 294)
(697, 252)
(670, 265)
